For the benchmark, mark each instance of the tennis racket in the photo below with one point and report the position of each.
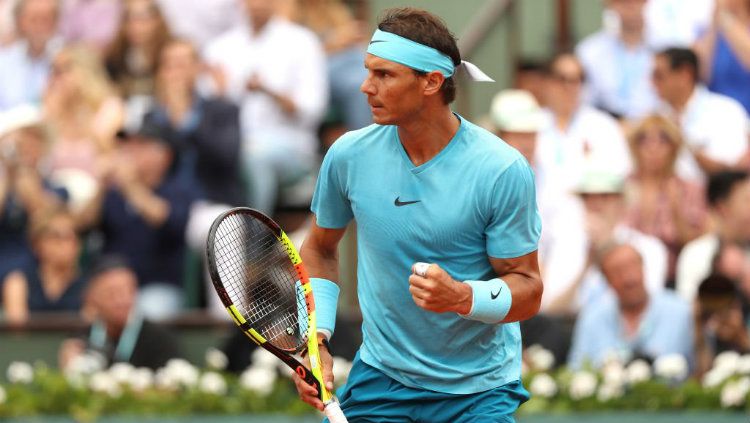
(260, 279)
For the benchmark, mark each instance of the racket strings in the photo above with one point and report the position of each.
(261, 280)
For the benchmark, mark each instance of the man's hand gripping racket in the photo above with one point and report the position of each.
(260, 279)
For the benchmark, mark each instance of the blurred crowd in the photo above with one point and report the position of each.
(126, 126)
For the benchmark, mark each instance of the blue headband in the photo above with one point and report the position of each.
(404, 51)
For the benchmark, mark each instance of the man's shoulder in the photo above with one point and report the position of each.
(484, 144)
(598, 314)
(670, 303)
(703, 246)
(231, 39)
(353, 142)
(720, 104)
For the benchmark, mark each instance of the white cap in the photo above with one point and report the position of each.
(599, 181)
(19, 117)
(516, 111)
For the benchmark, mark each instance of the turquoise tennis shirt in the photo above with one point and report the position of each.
(473, 200)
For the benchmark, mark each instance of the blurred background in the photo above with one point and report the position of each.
(127, 126)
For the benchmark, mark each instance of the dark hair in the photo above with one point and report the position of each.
(425, 28)
(679, 58)
(721, 184)
(107, 263)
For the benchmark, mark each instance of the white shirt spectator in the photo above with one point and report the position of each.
(567, 257)
(714, 123)
(288, 59)
(23, 78)
(618, 77)
(694, 264)
(593, 139)
(676, 23)
(201, 21)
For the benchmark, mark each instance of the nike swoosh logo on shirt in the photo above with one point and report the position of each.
(399, 203)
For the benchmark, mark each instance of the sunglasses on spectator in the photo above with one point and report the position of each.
(567, 79)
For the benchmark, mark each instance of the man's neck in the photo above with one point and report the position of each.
(680, 100)
(632, 37)
(35, 51)
(425, 136)
(258, 26)
(632, 316)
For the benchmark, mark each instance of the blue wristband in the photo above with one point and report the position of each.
(326, 295)
(491, 301)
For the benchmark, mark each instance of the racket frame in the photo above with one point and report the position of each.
(313, 376)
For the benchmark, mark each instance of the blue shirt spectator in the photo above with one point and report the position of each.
(630, 322)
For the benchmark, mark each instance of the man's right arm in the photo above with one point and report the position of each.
(319, 252)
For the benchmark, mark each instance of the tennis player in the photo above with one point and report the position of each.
(447, 229)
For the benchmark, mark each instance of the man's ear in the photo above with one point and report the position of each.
(433, 82)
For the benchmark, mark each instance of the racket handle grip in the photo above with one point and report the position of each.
(333, 411)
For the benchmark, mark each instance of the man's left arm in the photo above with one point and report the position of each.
(438, 292)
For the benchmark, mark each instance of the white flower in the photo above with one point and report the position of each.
(743, 365)
(84, 364)
(166, 380)
(216, 359)
(543, 386)
(141, 379)
(715, 377)
(20, 372)
(263, 358)
(671, 366)
(212, 383)
(3, 396)
(341, 369)
(258, 379)
(182, 371)
(608, 391)
(728, 362)
(734, 394)
(103, 382)
(582, 385)
(121, 372)
(613, 373)
(539, 358)
(638, 371)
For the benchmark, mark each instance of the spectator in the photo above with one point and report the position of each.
(53, 282)
(719, 320)
(276, 70)
(574, 135)
(118, 332)
(573, 279)
(659, 202)
(205, 132)
(85, 114)
(131, 59)
(632, 322)
(23, 188)
(715, 127)
(344, 40)
(142, 216)
(24, 64)
(200, 21)
(618, 63)
(725, 51)
(728, 197)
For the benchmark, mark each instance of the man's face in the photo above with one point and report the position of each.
(394, 91)
(113, 295)
(564, 84)
(179, 64)
(37, 22)
(623, 268)
(669, 83)
(260, 11)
